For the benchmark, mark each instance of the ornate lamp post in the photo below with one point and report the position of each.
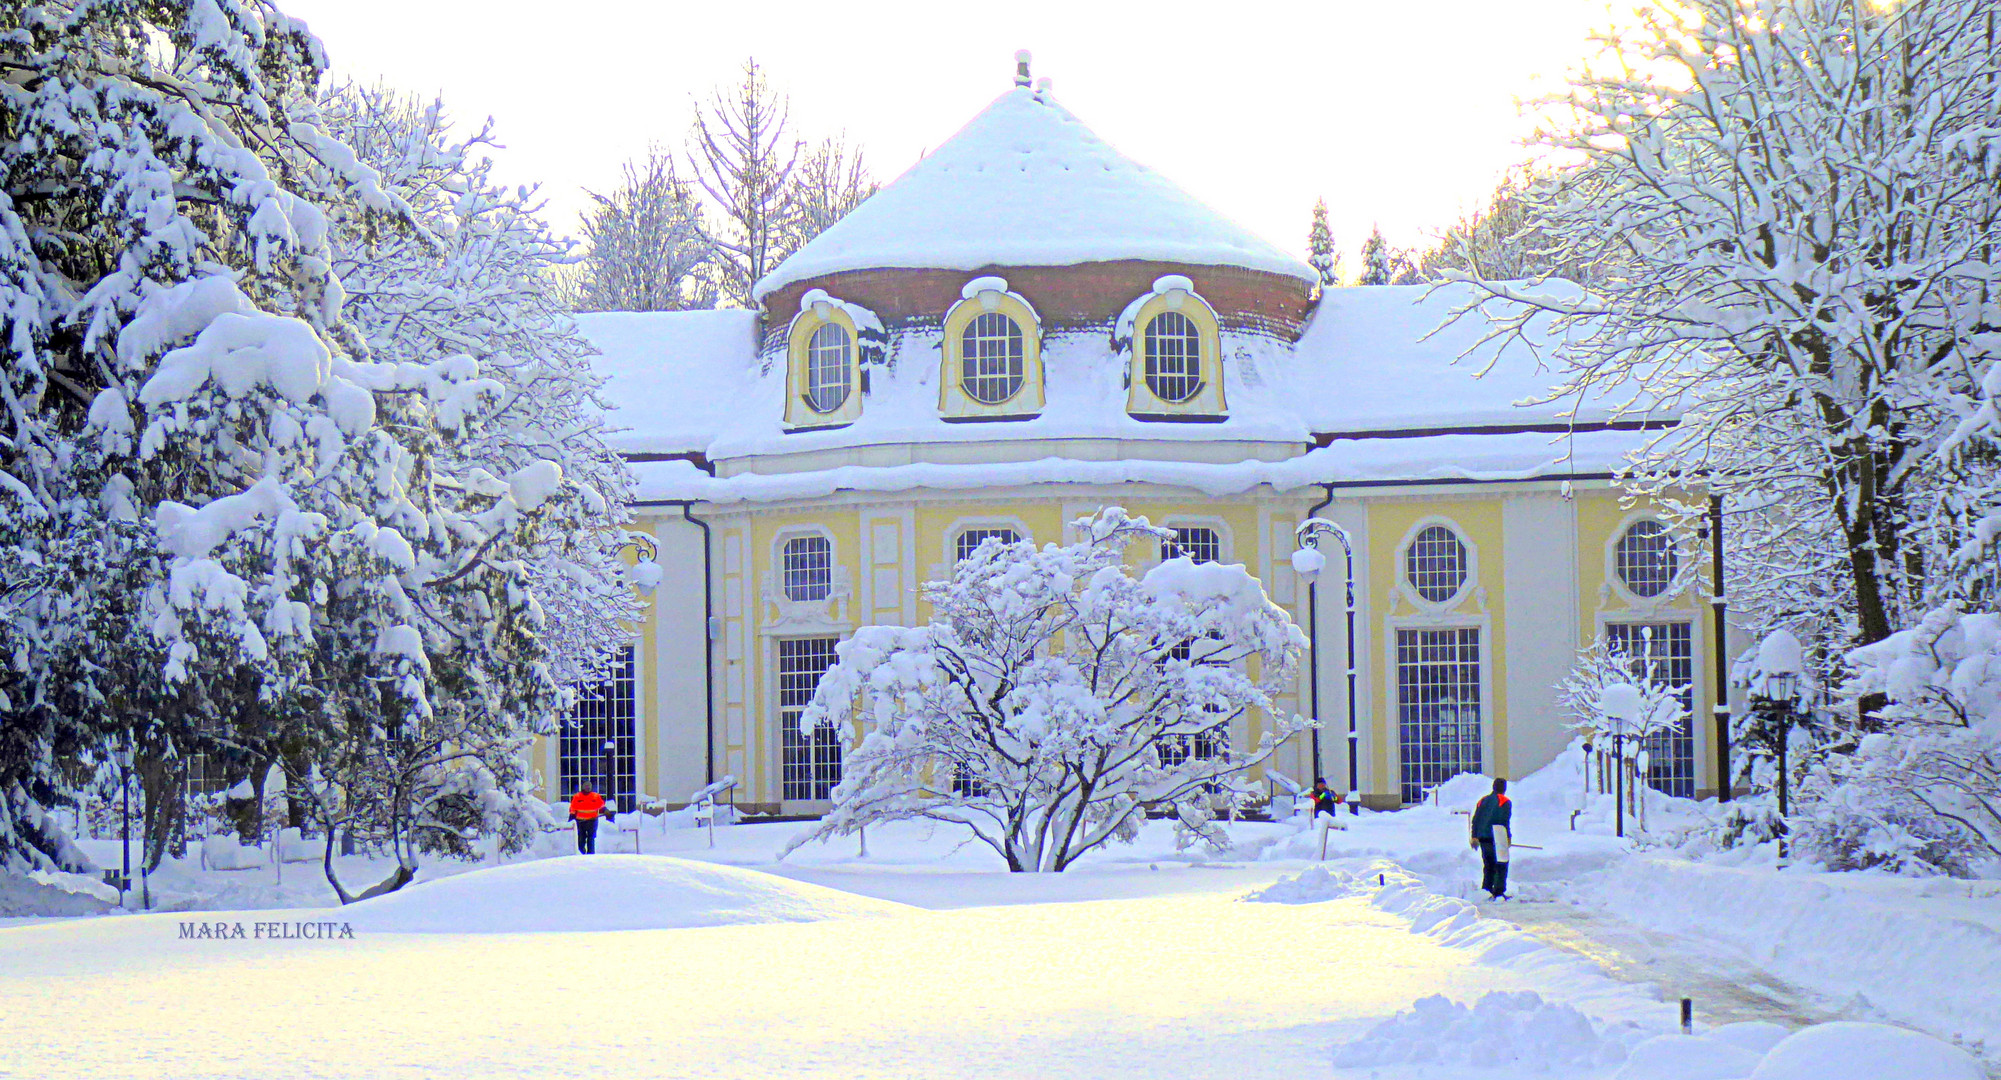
(1307, 562)
(123, 756)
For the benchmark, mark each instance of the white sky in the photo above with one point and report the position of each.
(1402, 113)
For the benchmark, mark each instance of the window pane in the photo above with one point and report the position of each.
(829, 368)
(808, 570)
(1646, 559)
(1197, 544)
(1438, 706)
(970, 540)
(990, 358)
(810, 762)
(605, 712)
(1435, 563)
(1663, 654)
(1173, 350)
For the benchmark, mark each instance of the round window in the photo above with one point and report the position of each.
(1646, 560)
(1173, 357)
(829, 367)
(1435, 563)
(990, 354)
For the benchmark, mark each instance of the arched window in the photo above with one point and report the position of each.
(1645, 559)
(1173, 347)
(807, 572)
(970, 540)
(829, 367)
(1435, 564)
(990, 358)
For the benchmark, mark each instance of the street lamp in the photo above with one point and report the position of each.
(1307, 562)
(610, 786)
(1782, 697)
(123, 757)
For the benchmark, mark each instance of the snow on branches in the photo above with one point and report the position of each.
(1054, 696)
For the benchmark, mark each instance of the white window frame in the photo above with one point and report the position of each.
(781, 569)
(1401, 572)
(1618, 582)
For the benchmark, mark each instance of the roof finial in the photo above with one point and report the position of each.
(1021, 58)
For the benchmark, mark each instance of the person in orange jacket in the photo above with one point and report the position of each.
(585, 806)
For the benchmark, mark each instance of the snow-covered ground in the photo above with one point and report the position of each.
(924, 958)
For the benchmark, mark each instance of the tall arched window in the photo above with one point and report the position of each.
(807, 568)
(990, 358)
(1173, 346)
(1645, 559)
(830, 367)
(1435, 564)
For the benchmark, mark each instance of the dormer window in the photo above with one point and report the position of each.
(828, 348)
(1173, 350)
(992, 367)
(1173, 342)
(990, 352)
(830, 368)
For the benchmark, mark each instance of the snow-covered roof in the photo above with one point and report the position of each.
(674, 379)
(1025, 183)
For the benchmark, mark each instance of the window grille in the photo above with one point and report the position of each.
(810, 765)
(1200, 545)
(1664, 655)
(829, 367)
(970, 540)
(965, 785)
(990, 357)
(1173, 348)
(808, 568)
(1438, 706)
(604, 712)
(1645, 559)
(206, 776)
(1435, 563)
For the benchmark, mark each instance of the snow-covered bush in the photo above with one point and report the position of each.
(1923, 790)
(1053, 696)
(1616, 704)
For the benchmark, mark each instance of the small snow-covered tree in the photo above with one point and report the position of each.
(1383, 264)
(644, 245)
(1054, 696)
(745, 160)
(1321, 253)
(1617, 702)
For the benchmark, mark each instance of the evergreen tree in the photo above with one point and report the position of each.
(1321, 253)
(1383, 264)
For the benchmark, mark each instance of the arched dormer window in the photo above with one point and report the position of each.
(992, 364)
(827, 348)
(1173, 341)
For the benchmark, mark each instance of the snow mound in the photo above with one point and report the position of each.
(1501, 1029)
(1857, 1051)
(606, 892)
(1679, 1057)
(1309, 886)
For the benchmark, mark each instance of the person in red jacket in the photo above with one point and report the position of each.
(585, 806)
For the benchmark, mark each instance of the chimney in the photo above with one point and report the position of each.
(1021, 58)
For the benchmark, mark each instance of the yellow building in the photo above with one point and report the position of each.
(1026, 327)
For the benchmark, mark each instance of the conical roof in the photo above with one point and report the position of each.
(1025, 183)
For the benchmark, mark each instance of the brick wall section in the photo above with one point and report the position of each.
(1067, 297)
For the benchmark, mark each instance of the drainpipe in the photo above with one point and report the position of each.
(708, 646)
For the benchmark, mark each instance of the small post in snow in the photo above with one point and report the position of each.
(1688, 1016)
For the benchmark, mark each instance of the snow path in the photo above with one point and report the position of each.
(1188, 984)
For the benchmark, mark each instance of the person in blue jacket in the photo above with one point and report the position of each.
(1493, 816)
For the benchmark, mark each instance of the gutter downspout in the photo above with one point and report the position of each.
(708, 646)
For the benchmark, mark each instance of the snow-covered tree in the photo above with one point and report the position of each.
(1804, 194)
(831, 180)
(1053, 696)
(1321, 253)
(1503, 239)
(644, 245)
(477, 281)
(1383, 264)
(1618, 702)
(744, 159)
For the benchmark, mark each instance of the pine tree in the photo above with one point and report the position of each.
(1383, 264)
(1321, 253)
